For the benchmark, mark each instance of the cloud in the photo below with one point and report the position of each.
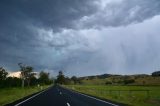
(49, 14)
(81, 37)
(121, 50)
(114, 13)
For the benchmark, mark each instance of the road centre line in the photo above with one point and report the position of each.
(68, 104)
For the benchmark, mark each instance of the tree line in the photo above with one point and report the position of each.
(27, 78)
(62, 79)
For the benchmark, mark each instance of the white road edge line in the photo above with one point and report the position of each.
(68, 104)
(93, 97)
(31, 97)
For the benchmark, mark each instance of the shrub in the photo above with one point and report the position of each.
(129, 81)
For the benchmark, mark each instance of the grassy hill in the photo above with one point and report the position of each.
(108, 79)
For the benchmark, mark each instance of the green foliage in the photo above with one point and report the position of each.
(3, 74)
(67, 81)
(75, 80)
(3, 77)
(27, 78)
(8, 81)
(12, 82)
(26, 73)
(108, 82)
(44, 78)
(29, 74)
(60, 78)
(129, 81)
(156, 74)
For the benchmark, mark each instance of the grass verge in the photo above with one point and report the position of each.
(9, 95)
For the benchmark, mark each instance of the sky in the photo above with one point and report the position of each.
(81, 37)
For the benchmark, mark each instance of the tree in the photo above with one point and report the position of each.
(26, 73)
(3, 73)
(12, 82)
(68, 81)
(22, 69)
(75, 79)
(60, 78)
(129, 81)
(3, 76)
(156, 74)
(29, 74)
(44, 77)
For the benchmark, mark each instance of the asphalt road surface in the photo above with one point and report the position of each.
(58, 96)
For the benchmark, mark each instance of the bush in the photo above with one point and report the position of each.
(156, 74)
(129, 81)
(108, 82)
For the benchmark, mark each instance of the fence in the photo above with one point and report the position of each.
(130, 93)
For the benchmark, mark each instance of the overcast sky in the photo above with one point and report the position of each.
(81, 37)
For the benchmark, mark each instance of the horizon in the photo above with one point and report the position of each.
(55, 74)
(81, 38)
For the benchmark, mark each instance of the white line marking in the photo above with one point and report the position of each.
(93, 97)
(68, 104)
(31, 97)
(60, 93)
(99, 99)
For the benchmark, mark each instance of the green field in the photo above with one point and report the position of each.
(131, 95)
(8, 95)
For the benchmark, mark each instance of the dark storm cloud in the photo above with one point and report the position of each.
(17, 36)
(116, 13)
(16, 18)
(46, 13)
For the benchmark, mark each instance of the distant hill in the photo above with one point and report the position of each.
(138, 79)
(103, 76)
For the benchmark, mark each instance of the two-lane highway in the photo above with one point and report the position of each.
(58, 96)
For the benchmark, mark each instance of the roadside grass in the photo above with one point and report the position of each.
(131, 95)
(9, 95)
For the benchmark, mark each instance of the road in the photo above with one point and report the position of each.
(58, 96)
